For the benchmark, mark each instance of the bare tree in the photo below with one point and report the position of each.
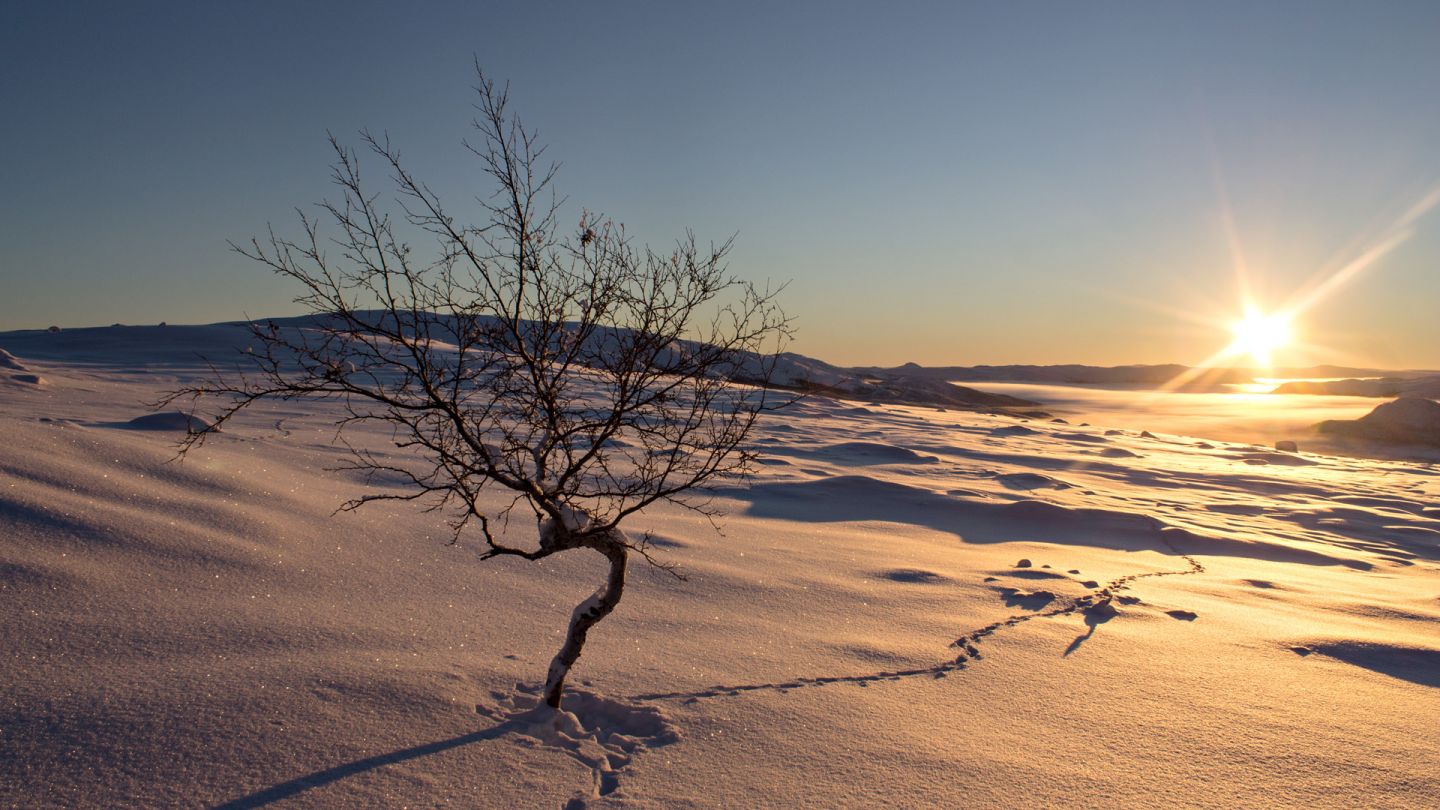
(584, 378)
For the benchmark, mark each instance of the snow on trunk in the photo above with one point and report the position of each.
(597, 606)
(587, 614)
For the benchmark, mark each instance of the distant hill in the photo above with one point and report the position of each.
(1074, 374)
(1404, 421)
(916, 390)
(1426, 387)
(1062, 374)
(162, 346)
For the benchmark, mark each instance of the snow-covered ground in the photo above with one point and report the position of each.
(1200, 623)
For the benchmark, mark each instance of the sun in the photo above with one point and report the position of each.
(1259, 334)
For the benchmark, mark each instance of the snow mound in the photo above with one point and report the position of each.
(1118, 452)
(1027, 480)
(1083, 438)
(1266, 457)
(1013, 430)
(863, 453)
(169, 420)
(8, 360)
(914, 576)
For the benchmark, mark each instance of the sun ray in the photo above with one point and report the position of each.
(1390, 238)
(1232, 232)
(1260, 333)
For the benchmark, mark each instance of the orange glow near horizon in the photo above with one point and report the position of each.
(1259, 333)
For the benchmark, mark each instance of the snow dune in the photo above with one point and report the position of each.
(917, 608)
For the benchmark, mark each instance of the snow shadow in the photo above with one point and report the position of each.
(294, 787)
(1094, 617)
(857, 454)
(168, 421)
(863, 498)
(601, 733)
(1414, 664)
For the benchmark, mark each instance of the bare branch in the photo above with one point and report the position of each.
(585, 376)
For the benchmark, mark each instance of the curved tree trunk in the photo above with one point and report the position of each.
(587, 614)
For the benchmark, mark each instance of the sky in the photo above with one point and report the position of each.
(942, 183)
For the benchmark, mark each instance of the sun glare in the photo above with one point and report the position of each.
(1259, 335)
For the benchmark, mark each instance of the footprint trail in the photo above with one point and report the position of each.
(1098, 604)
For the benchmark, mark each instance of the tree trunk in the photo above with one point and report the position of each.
(587, 614)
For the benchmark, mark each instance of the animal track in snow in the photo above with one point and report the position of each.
(1098, 607)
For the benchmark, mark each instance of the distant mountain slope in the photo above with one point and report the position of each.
(154, 346)
(917, 390)
(1071, 373)
(133, 346)
(1426, 387)
(1075, 374)
(1407, 420)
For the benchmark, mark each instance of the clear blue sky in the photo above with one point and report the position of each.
(944, 182)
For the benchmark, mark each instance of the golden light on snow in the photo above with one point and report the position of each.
(1259, 334)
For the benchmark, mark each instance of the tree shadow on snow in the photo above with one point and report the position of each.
(327, 776)
(1094, 617)
(603, 734)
